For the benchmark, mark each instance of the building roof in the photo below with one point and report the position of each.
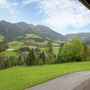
(86, 3)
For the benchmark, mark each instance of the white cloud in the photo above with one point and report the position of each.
(26, 2)
(10, 7)
(4, 4)
(7, 4)
(15, 3)
(63, 13)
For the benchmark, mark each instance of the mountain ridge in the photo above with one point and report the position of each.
(12, 30)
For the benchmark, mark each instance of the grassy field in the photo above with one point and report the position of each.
(32, 36)
(10, 53)
(15, 45)
(55, 50)
(18, 78)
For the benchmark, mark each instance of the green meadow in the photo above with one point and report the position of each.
(10, 53)
(15, 45)
(19, 78)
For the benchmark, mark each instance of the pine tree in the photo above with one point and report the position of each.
(9, 63)
(42, 57)
(30, 58)
(20, 62)
(1, 59)
(50, 47)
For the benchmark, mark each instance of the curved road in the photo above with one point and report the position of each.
(72, 81)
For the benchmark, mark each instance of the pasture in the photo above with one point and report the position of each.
(19, 78)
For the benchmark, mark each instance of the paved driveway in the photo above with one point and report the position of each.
(67, 82)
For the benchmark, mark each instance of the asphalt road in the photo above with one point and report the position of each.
(74, 81)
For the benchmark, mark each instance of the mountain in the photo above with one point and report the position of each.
(12, 30)
(85, 37)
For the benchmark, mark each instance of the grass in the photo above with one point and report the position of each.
(32, 47)
(43, 49)
(32, 36)
(1, 38)
(19, 78)
(10, 53)
(15, 45)
(28, 36)
(55, 44)
(55, 50)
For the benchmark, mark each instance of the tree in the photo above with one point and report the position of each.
(20, 60)
(65, 53)
(3, 47)
(42, 56)
(50, 47)
(59, 54)
(30, 58)
(72, 50)
(87, 52)
(1, 59)
(24, 49)
(9, 62)
(85, 55)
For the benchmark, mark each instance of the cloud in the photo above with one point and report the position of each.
(15, 3)
(4, 4)
(10, 7)
(26, 2)
(7, 4)
(62, 14)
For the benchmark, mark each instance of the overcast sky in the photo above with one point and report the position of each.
(63, 16)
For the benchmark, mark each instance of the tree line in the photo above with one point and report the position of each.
(71, 51)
